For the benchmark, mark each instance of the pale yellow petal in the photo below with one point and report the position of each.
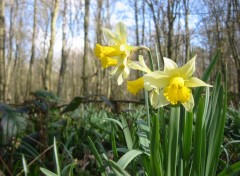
(121, 31)
(135, 65)
(156, 79)
(188, 69)
(158, 100)
(120, 79)
(140, 65)
(126, 72)
(114, 71)
(111, 37)
(144, 66)
(169, 64)
(195, 82)
(189, 104)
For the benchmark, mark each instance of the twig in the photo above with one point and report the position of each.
(36, 159)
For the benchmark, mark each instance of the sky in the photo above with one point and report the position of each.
(120, 10)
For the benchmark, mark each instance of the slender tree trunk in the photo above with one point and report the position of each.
(49, 58)
(143, 22)
(2, 53)
(16, 74)
(230, 24)
(62, 73)
(9, 63)
(99, 41)
(98, 21)
(136, 21)
(86, 52)
(73, 77)
(30, 71)
(108, 13)
(158, 35)
(170, 30)
(187, 35)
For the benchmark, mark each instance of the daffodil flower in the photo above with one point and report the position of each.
(135, 86)
(173, 85)
(117, 53)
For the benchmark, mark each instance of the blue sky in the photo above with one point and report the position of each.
(120, 10)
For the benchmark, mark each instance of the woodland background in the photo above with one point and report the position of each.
(48, 44)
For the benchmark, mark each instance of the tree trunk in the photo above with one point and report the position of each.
(99, 41)
(136, 21)
(73, 77)
(170, 30)
(230, 25)
(187, 35)
(158, 36)
(62, 73)
(85, 54)
(98, 21)
(2, 53)
(49, 58)
(143, 22)
(30, 71)
(9, 63)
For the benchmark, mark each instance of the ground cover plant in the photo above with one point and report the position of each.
(183, 127)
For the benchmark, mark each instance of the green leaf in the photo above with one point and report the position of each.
(107, 102)
(230, 170)
(113, 142)
(69, 167)
(56, 157)
(206, 76)
(72, 105)
(155, 148)
(198, 140)
(25, 167)
(173, 140)
(216, 124)
(96, 154)
(128, 157)
(127, 133)
(48, 172)
(187, 140)
(117, 169)
(115, 121)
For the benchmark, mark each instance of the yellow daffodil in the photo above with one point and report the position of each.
(135, 86)
(173, 85)
(117, 53)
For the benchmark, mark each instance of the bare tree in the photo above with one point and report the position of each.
(2, 53)
(62, 74)
(99, 21)
(187, 34)
(172, 7)
(158, 35)
(231, 31)
(30, 71)
(143, 22)
(49, 58)
(99, 41)
(136, 21)
(10, 58)
(86, 47)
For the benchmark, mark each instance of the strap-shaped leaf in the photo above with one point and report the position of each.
(128, 157)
